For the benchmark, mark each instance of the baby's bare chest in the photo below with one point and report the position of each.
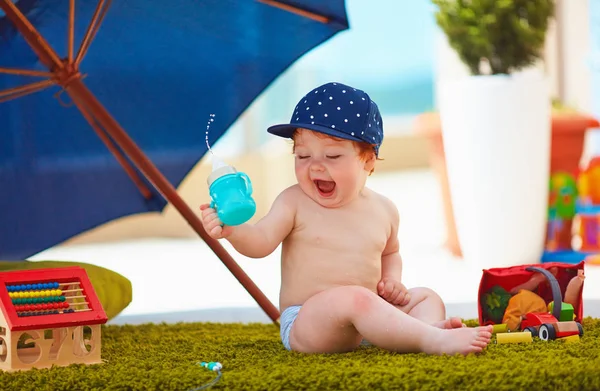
(347, 232)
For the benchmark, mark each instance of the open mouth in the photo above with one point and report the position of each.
(325, 188)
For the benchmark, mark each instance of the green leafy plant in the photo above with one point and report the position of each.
(507, 34)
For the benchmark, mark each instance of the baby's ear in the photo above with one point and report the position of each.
(370, 163)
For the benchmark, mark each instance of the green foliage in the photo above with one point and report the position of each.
(508, 34)
(163, 357)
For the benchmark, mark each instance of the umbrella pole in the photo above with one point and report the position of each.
(85, 100)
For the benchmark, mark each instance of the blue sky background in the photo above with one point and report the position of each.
(388, 51)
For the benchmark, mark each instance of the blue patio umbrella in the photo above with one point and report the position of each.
(113, 101)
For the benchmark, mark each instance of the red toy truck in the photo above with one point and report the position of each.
(547, 326)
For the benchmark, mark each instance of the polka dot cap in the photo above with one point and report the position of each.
(337, 110)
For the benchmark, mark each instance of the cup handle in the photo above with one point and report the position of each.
(248, 183)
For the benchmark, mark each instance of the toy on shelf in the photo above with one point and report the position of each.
(573, 229)
(230, 191)
(514, 307)
(561, 211)
(49, 317)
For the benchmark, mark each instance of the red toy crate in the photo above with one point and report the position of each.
(509, 277)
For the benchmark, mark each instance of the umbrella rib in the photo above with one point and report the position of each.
(17, 92)
(92, 30)
(115, 151)
(71, 33)
(296, 10)
(25, 72)
(38, 44)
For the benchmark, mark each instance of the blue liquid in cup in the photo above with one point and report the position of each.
(231, 196)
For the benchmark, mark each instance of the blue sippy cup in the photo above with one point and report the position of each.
(231, 195)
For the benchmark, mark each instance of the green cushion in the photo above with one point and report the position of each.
(114, 291)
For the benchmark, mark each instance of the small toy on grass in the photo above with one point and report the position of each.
(519, 337)
(500, 328)
(214, 366)
(49, 317)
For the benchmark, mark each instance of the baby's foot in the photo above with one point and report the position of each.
(463, 340)
(450, 323)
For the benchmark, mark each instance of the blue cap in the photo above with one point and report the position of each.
(337, 110)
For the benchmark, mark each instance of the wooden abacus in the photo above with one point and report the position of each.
(49, 317)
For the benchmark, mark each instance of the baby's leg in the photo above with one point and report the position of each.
(426, 305)
(337, 319)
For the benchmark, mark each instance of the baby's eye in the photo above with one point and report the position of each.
(302, 157)
(333, 156)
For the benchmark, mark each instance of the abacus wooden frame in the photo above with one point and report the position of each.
(96, 315)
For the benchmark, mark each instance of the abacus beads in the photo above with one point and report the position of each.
(29, 287)
(46, 298)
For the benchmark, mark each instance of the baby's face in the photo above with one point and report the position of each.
(329, 171)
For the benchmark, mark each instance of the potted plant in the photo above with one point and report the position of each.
(496, 128)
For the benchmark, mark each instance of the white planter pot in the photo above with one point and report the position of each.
(496, 132)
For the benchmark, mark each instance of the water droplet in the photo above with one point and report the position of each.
(206, 138)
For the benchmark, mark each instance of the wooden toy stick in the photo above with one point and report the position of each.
(71, 290)
(500, 328)
(519, 337)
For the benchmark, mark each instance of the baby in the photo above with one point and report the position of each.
(341, 271)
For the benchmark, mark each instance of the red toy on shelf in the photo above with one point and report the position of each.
(49, 317)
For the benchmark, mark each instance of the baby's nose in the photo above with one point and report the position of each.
(317, 166)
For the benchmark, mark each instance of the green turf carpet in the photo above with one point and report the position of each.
(164, 357)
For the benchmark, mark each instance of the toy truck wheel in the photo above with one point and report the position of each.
(580, 329)
(547, 332)
(532, 330)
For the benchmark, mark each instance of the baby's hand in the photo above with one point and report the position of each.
(393, 291)
(212, 224)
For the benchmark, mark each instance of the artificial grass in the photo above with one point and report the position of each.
(164, 357)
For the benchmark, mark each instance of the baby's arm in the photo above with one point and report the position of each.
(390, 287)
(262, 238)
(391, 262)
